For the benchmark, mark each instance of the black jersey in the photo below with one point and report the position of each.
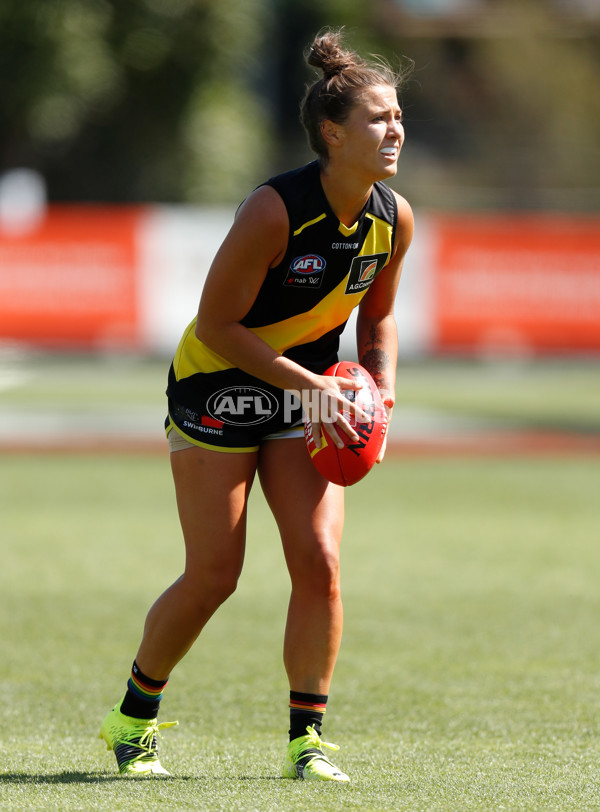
(305, 301)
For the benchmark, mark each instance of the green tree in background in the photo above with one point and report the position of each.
(129, 100)
(165, 100)
(197, 100)
(504, 109)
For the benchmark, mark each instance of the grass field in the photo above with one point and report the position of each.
(469, 674)
(41, 394)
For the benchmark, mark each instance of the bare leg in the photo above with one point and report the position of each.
(310, 514)
(212, 489)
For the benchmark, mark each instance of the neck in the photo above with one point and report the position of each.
(347, 196)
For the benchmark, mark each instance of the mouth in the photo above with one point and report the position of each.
(389, 152)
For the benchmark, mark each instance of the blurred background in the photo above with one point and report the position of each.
(131, 130)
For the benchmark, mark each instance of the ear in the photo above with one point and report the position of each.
(332, 133)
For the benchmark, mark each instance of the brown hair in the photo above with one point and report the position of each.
(345, 76)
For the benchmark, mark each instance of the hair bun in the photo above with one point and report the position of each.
(346, 76)
(327, 53)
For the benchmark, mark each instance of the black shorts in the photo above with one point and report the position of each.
(232, 411)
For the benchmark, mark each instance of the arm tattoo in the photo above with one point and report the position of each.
(375, 360)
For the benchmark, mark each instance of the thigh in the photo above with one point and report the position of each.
(309, 509)
(212, 490)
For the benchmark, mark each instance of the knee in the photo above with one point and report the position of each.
(221, 585)
(211, 587)
(317, 572)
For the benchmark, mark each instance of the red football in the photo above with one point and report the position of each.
(349, 464)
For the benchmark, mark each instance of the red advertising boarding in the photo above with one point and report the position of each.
(70, 282)
(516, 283)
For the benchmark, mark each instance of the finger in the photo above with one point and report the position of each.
(351, 412)
(351, 408)
(347, 383)
(358, 414)
(343, 423)
(386, 398)
(316, 432)
(382, 451)
(334, 404)
(383, 448)
(330, 429)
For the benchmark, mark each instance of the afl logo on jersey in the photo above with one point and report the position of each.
(306, 272)
(242, 405)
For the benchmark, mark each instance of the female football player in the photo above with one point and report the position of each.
(305, 249)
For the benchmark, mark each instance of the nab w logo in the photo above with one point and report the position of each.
(306, 272)
(363, 271)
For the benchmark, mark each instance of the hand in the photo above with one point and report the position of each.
(328, 409)
(388, 402)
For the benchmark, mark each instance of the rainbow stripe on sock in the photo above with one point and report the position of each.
(310, 707)
(149, 690)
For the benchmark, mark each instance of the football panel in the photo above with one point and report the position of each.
(350, 464)
(326, 458)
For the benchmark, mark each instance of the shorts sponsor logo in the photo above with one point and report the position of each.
(242, 406)
(210, 422)
(189, 419)
(204, 428)
(306, 272)
(363, 271)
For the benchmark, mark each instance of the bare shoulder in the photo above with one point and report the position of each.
(261, 226)
(405, 212)
(265, 205)
(406, 223)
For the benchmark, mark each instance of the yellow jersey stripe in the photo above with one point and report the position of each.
(309, 223)
(348, 231)
(333, 310)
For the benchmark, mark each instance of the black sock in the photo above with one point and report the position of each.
(143, 696)
(306, 710)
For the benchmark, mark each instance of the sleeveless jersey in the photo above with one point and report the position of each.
(304, 302)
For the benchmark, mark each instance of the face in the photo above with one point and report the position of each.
(371, 138)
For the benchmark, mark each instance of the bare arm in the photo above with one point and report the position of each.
(256, 242)
(376, 331)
